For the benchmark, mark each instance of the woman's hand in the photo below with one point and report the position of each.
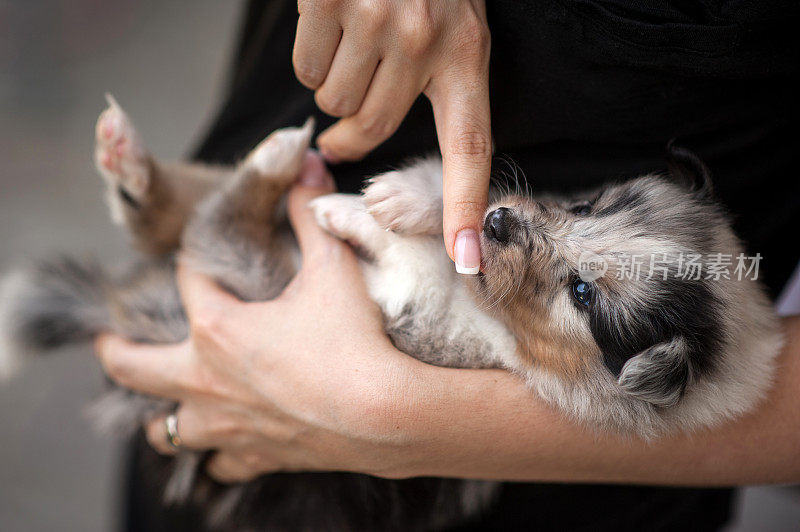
(369, 60)
(304, 382)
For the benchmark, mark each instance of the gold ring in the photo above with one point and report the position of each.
(171, 424)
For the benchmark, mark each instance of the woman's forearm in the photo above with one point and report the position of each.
(486, 424)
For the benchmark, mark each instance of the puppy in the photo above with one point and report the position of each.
(555, 302)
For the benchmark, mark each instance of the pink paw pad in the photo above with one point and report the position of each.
(118, 152)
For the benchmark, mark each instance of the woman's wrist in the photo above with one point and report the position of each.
(434, 419)
(396, 411)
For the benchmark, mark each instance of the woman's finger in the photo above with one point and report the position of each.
(160, 370)
(349, 76)
(196, 427)
(315, 44)
(391, 94)
(462, 116)
(315, 181)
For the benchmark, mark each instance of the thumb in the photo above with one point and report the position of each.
(315, 180)
(462, 116)
(203, 298)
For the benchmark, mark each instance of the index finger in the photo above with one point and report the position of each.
(462, 115)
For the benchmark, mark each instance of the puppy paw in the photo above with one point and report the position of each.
(344, 216)
(338, 214)
(119, 154)
(280, 156)
(401, 202)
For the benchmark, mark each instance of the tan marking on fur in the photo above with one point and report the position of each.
(524, 281)
(545, 344)
(175, 188)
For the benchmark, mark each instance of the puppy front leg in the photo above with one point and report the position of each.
(345, 216)
(408, 201)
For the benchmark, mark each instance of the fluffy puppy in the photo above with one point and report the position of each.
(642, 354)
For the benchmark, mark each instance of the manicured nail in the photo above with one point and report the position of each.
(314, 174)
(467, 252)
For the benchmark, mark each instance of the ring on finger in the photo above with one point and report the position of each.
(171, 429)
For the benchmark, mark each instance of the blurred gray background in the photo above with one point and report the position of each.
(165, 61)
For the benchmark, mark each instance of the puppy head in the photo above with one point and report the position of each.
(563, 275)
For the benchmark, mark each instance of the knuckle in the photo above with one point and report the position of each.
(209, 323)
(472, 143)
(333, 103)
(226, 426)
(464, 206)
(199, 381)
(475, 33)
(317, 6)
(308, 74)
(228, 430)
(417, 35)
(118, 370)
(474, 43)
(326, 5)
(373, 14)
(374, 125)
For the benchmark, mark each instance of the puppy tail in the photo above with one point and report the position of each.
(57, 303)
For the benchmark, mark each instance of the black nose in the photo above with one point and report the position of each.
(497, 225)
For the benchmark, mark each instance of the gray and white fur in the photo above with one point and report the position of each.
(641, 356)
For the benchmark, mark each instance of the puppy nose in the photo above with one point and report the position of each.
(497, 225)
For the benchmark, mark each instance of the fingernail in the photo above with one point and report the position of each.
(313, 173)
(467, 252)
(328, 156)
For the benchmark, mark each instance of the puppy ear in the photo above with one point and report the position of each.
(659, 374)
(688, 168)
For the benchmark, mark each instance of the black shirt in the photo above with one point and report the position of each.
(584, 92)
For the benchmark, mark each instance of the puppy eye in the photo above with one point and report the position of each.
(582, 292)
(582, 209)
